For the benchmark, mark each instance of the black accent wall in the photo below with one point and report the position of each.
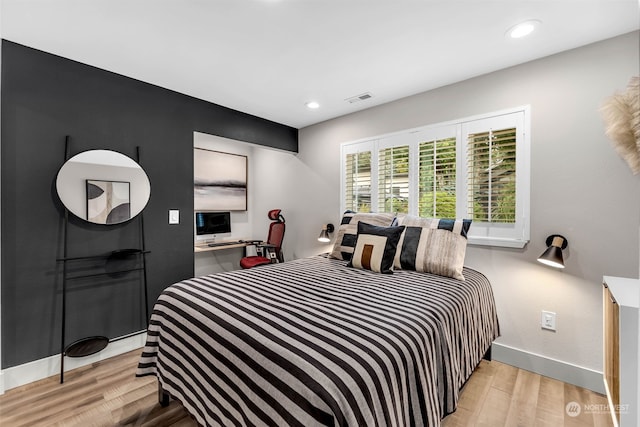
(45, 98)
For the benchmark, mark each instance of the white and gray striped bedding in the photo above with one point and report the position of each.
(312, 342)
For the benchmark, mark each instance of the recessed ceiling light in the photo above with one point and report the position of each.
(312, 105)
(523, 29)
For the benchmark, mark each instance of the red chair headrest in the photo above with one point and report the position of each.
(274, 215)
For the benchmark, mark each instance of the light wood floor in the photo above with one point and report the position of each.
(108, 394)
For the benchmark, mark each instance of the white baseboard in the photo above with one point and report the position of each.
(563, 371)
(49, 366)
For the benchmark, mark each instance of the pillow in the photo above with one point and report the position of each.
(348, 229)
(459, 226)
(375, 247)
(433, 246)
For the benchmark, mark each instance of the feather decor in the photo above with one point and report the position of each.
(621, 113)
(633, 98)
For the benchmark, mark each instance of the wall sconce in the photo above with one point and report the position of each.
(324, 234)
(553, 255)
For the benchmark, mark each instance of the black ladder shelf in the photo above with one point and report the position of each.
(91, 345)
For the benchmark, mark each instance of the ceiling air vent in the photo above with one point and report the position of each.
(358, 98)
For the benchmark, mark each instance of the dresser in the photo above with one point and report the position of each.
(621, 310)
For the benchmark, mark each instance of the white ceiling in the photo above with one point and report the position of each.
(269, 57)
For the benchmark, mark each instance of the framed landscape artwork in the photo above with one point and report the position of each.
(219, 181)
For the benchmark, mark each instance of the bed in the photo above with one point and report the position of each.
(313, 342)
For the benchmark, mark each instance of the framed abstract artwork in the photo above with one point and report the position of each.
(108, 202)
(219, 181)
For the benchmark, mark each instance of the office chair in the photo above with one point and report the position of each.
(271, 251)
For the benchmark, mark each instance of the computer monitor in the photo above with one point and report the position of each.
(213, 223)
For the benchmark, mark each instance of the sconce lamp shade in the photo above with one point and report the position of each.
(324, 234)
(553, 255)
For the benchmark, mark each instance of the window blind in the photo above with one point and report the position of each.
(467, 168)
(393, 179)
(491, 177)
(358, 181)
(437, 178)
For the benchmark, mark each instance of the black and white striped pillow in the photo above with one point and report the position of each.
(458, 226)
(435, 246)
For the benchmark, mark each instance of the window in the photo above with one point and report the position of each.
(475, 168)
(393, 179)
(358, 181)
(491, 175)
(437, 178)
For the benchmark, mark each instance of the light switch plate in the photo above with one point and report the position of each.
(174, 216)
(548, 320)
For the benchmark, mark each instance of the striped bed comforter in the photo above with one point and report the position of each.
(312, 342)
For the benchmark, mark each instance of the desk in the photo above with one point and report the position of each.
(204, 247)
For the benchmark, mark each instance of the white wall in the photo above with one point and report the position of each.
(579, 188)
(241, 221)
(270, 175)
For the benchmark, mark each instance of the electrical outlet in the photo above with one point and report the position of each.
(174, 216)
(548, 320)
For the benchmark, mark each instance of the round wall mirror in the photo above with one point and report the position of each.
(103, 187)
